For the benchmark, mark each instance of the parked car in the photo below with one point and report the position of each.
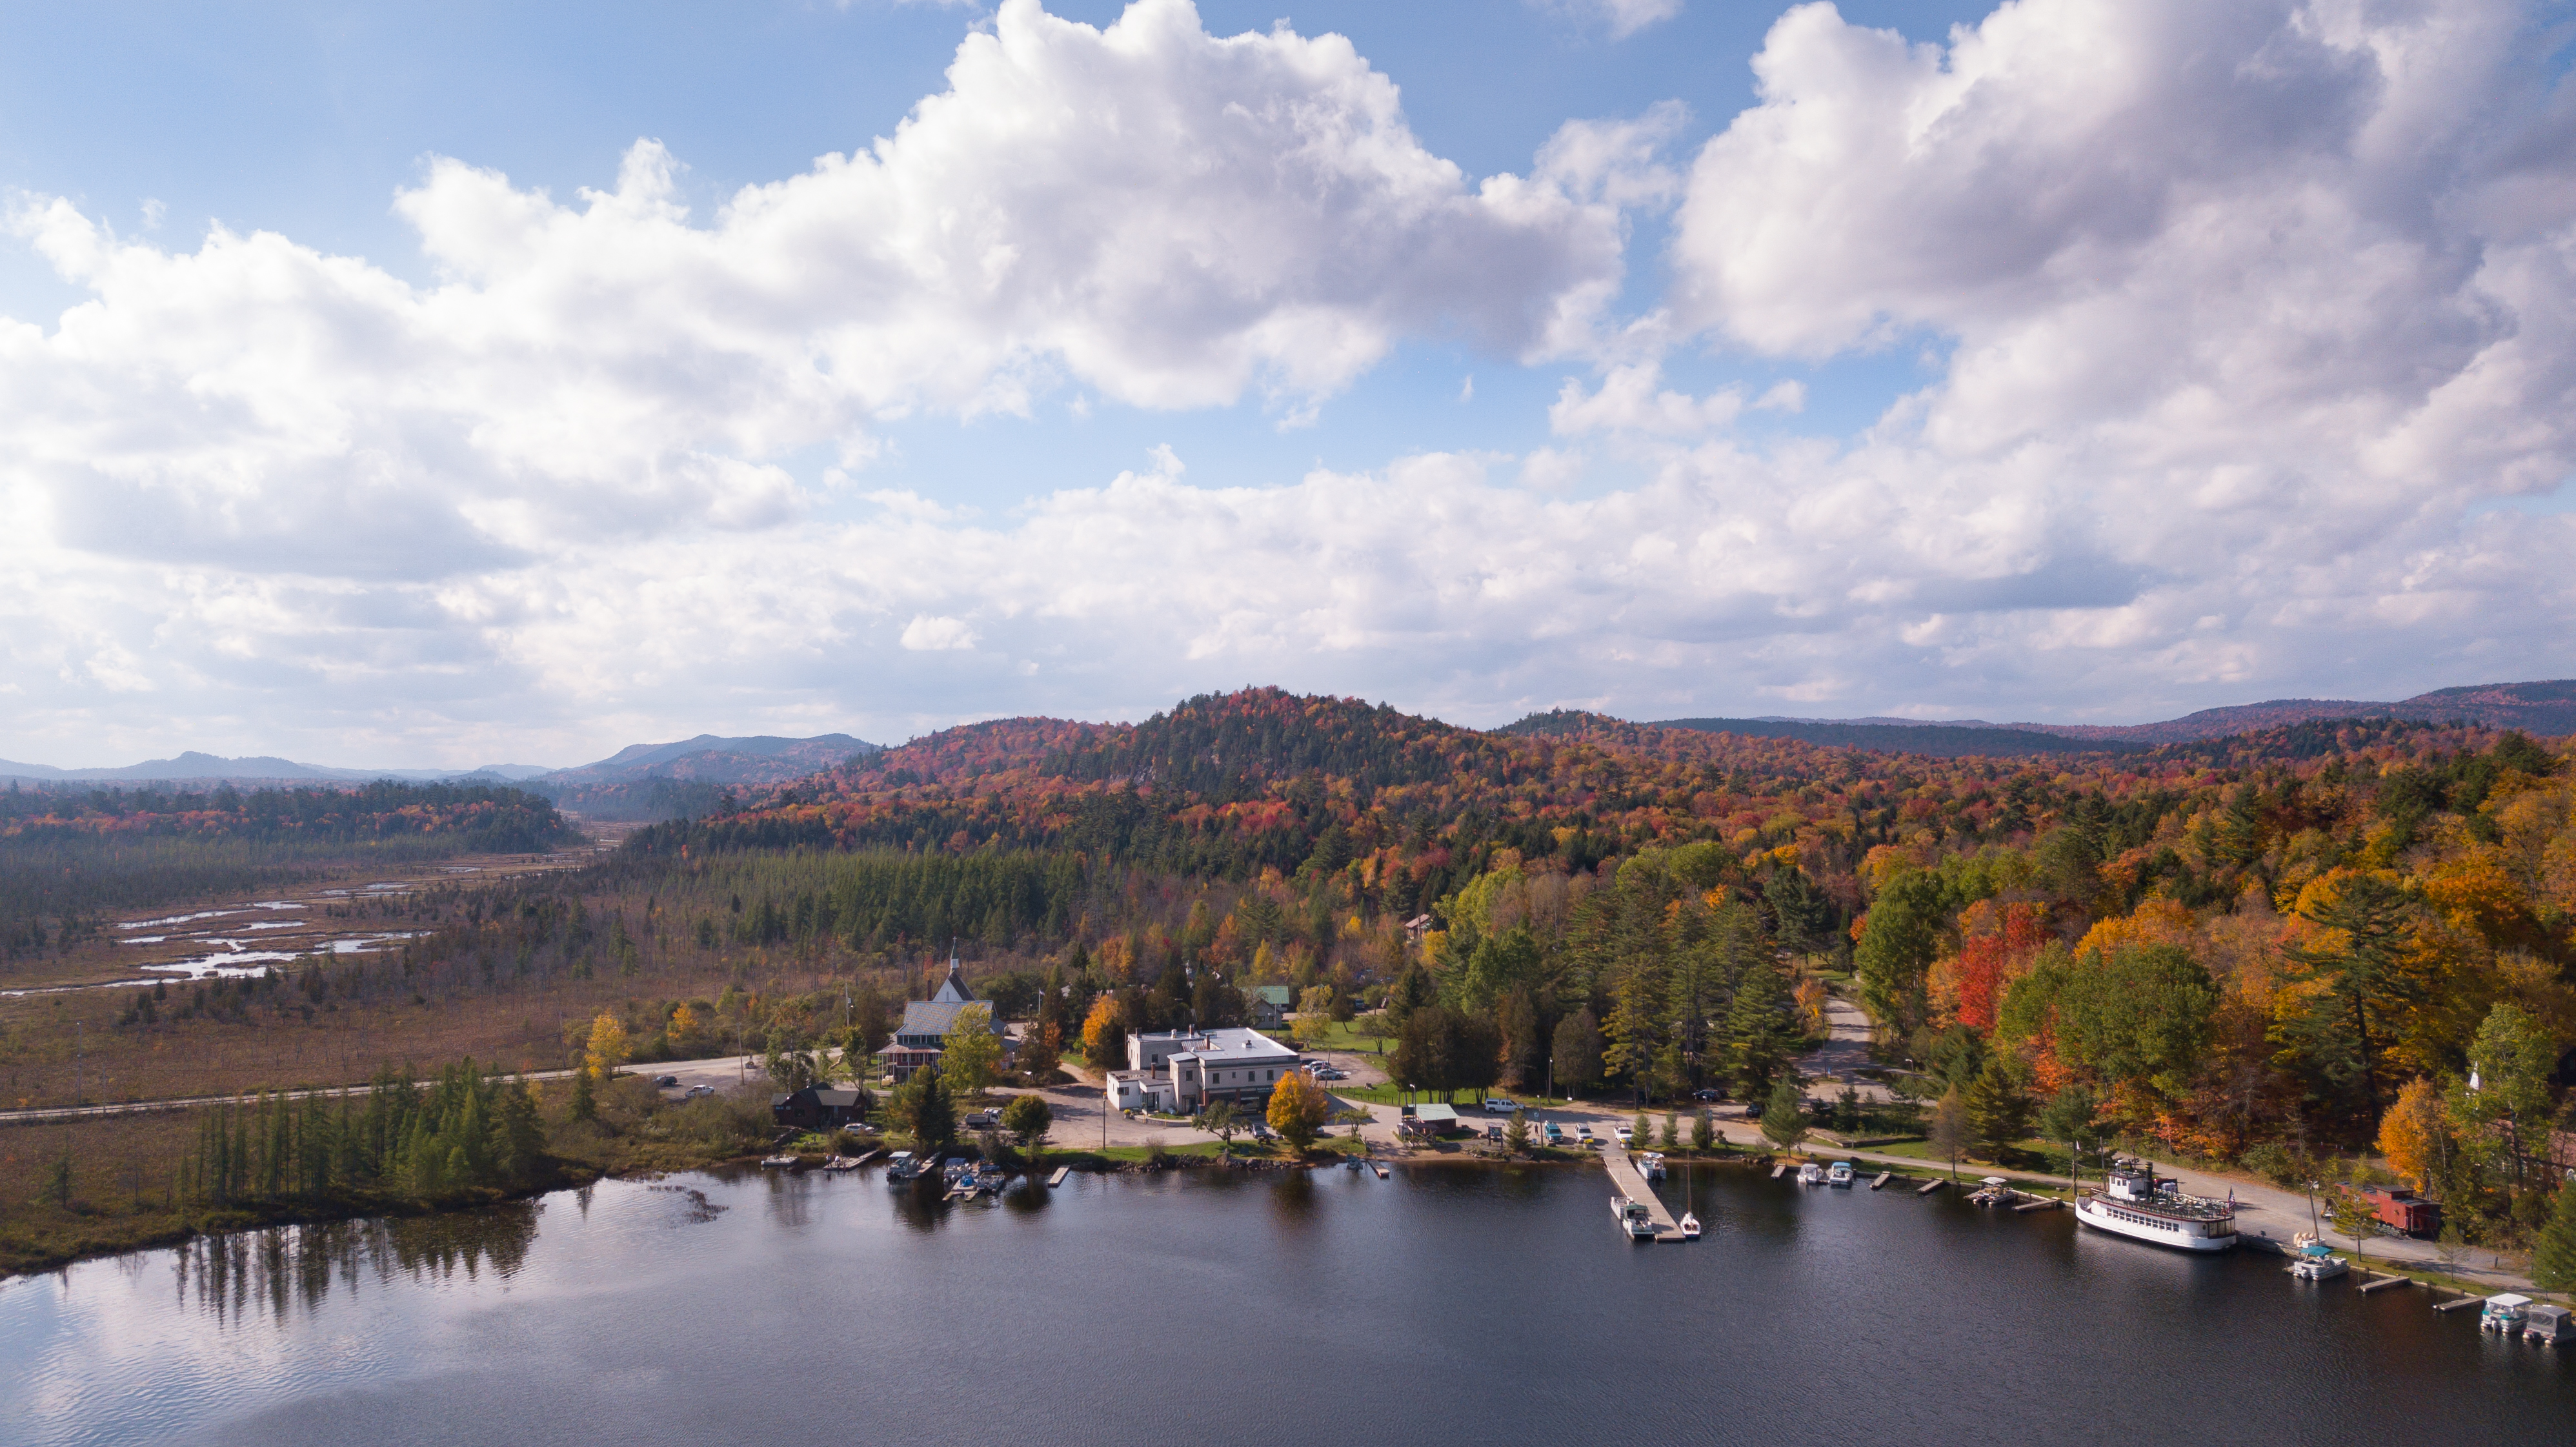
(1551, 1133)
(666, 1081)
(1627, 1135)
(1496, 1105)
(1708, 1095)
(697, 1090)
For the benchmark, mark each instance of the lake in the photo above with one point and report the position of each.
(1447, 1305)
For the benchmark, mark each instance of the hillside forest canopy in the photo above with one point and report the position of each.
(2265, 949)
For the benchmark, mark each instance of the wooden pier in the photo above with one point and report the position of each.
(1058, 1178)
(2384, 1282)
(1880, 1179)
(1928, 1187)
(1632, 1184)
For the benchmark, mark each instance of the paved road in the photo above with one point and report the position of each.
(723, 1072)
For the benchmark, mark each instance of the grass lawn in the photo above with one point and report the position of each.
(2034, 1156)
(1338, 1035)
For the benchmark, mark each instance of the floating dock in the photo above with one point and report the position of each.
(2384, 1282)
(1880, 1179)
(1058, 1178)
(1928, 1187)
(1632, 1184)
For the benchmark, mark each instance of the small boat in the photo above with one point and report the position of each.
(1811, 1174)
(2549, 1325)
(902, 1167)
(779, 1163)
(2313, 1260)
(1654, 1165)
(1840, 1177)
(1991, 1191)
(2507, 1313)
(1352, 1164)
(1634, 1218)
(1690, 1226)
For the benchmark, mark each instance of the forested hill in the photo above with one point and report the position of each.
(474, 817)
(1405, 809)
(1940, 741)
(68, 854)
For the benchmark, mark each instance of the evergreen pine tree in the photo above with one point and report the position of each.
(1784, 1120)
(2553, 1256)
(584, 1107)
(1757, 1027)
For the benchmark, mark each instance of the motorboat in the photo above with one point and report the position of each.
(902, 1168)
(1654, 1165)
(2312, 1260)
(1690, 1226)
(1634, 1218)
(1840, 1177)
(1991, 1191)
(2135, 1203)
(2507, 1313)
(2549, 1325)
(1811, 1174)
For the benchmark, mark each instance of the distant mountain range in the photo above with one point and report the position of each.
(2546, 708)
(706, 759)
(707, 763)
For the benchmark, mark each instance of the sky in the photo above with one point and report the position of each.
(440, 386)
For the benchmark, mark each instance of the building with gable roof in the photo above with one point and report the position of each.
(923, 1034)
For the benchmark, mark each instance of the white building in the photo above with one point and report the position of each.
(1179, 1072)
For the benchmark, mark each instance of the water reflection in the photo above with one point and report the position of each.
(271, 1273)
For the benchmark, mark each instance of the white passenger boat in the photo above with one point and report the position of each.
(1811, 1174)
(1634, 1218)
(1840, 1176)
(2135, 1204)
(903, 1168)
(1690, 1226)
(1654, 1165)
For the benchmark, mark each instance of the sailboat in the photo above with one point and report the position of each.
(1690, 1222)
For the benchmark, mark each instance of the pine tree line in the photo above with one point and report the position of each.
(470, 1129)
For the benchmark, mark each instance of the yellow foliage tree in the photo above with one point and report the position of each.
(1298, 1107)
(608, 1049)
(684, 1025)
(2411, 1133)
(1104, 1031)
(970, 1053)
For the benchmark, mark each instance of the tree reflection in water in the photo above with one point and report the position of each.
(277, 1269)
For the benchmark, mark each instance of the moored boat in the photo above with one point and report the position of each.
(2507, 1312)
(1840, 1176)
(1811, 1174)
(1634, 1218)
(904, 1167)
(1690, 1226)
(1654, 1165)
(2312, 1260)
(2135, 1203)
(2549, 1325)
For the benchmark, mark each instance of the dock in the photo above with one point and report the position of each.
(2039, 1203)
(1632, 1184)
(2384, 1282)
(1381, 1170)
(1058, 1178)
(1928, 1187)
(1779, 1170)
(1880, 1179)
(2457, 1302)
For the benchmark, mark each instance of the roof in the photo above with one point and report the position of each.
(1279, 995)
(1229, 1044)
(953, 991)
(1435, 1112)
(933, 1017)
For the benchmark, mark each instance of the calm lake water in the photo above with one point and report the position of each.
(1448, 1305)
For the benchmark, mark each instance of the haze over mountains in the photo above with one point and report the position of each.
(2543, 707)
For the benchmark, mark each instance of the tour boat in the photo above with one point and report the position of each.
(1634, 1218)
(2133, 1203)
(1840, 1176)
(1811, 1174)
